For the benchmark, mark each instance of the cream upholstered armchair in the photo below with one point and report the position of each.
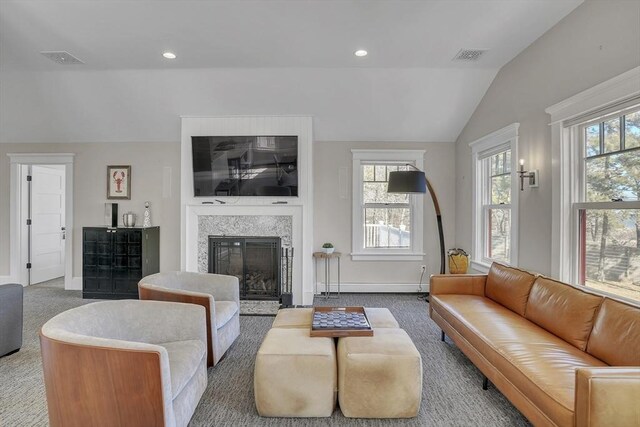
(217, 293)
(125, 363)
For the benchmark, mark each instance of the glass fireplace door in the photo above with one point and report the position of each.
(255, 261)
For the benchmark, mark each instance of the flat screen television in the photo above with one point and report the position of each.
(245, 166)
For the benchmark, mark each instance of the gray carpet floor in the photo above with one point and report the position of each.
(452, 391)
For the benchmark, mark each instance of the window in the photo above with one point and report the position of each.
(385, 226)
(496, 207)
(595, 137)
(606, 214)
(495, 202)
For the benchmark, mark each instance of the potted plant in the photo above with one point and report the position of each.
(328, 248)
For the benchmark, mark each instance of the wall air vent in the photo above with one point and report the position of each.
(469, 55)
(62, 57)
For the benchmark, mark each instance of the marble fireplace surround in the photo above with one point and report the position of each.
(242, 226)
(284, 221)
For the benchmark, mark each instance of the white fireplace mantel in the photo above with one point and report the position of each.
(300, 208)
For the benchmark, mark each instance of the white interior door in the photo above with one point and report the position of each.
(47, 222)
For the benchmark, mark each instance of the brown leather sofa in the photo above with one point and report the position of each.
(562, 355)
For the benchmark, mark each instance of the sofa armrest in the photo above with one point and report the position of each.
(607, 396)
(158, 293)
(90, 383)
(223, 288)
(11, 307)
(463, 284)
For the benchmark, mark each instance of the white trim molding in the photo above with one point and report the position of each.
(495, 138)
(613, 91)
(359, 256)
(386, 288)
(601, 99)
(7, 279)
(358, 251)
(502, 139)
(18, 271)
(76, 284)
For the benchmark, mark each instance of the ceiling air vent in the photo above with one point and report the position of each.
(62, 57)
(469, 55)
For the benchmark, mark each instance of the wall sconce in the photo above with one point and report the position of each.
(532, 175)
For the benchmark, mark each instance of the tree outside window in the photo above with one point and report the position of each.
(608, 218)
(495, 199)
(387, 215)
(497, 207)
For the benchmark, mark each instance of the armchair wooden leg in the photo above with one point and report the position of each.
(485, 383)
(442, 336)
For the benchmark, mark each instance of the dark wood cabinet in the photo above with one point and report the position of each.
(115, 259)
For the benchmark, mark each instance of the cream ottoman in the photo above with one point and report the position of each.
(295, 375)
(301, 318)
(379, 376)
(293, 318)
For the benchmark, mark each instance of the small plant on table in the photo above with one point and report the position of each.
(328, 248)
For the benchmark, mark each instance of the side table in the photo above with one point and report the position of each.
(327, 271)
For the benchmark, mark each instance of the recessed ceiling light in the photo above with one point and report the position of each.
(169, 55)
(360, 52)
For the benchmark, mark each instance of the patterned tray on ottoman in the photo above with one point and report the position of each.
(340, 322)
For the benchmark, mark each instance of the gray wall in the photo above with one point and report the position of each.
(597, 41)
(80, 105)
(90, 168)
(332, 215)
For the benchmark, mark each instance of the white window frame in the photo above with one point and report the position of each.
(579, 178)
(416, 204)
(481, 149)
(616, 94)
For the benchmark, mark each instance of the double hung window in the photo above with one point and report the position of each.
(385, 225)
(495, 199)
(496, 207)
(606, 209)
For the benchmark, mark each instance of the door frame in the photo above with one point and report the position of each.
(18, 270)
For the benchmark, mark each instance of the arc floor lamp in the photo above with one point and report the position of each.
(415, 181)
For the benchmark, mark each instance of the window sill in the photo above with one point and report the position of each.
(407, 256)
(480, 267)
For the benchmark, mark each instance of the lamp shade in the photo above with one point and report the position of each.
(411, 181)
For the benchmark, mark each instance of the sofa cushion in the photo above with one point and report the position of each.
(535, 361)
(563, 310)
(224, 312)
(509, 286)
(615, 338)
(185, 403)
(184, 359)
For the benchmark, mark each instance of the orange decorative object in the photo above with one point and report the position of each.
(458, 261)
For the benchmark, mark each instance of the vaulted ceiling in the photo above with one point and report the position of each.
(256, 57)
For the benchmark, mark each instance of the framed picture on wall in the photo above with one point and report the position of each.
(119, 182)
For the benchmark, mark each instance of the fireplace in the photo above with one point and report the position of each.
(255, 261)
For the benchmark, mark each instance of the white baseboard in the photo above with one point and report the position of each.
(374, 287)
(75, 285)
(7, 279)
(307, 298)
